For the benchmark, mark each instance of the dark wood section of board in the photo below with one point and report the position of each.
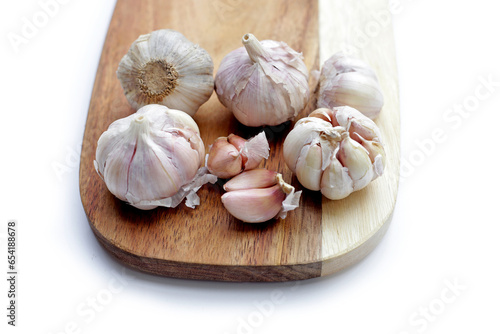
(204, 243)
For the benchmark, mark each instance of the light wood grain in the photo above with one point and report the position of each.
(207, 243)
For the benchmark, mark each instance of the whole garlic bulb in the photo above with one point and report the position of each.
(231, 155)
(337, 151)
(263, 83)
(152, 158)
(164, 67)
(348, 81)
(258, 195)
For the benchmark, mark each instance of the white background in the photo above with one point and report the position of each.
(444, 232)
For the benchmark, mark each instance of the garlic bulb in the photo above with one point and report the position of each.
(164, 67)
(231, 155)
(263, 83)
(259, 195)
(152, 158)
(337, 151)
(347, 81)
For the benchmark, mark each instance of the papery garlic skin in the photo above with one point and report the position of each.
(229, 156)
(348, 81)
(263, 83)
(259, 195)
(153, 158)
(337, 151)
(164, 67)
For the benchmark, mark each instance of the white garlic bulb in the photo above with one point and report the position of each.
(164, 67)
(348, 81)
(337, 151)
(152, 158)
(229, 156)
(258, 195)
(263, 83)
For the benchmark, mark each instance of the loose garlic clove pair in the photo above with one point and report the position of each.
(337, 151)
(164, 67)
(229, 156)
(348, 81)
(153, 158)
(259, 195)
(263, 83)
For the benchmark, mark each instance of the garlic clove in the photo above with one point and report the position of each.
(237, 141)
(309, 167)
(258, 195)
(164, 67)
(376, 152)
(354, 156)
(324, 114)
(253, 150)
(230, 156)
(355, 90)
(252, 179)
(300, 136)
(254, 205)
(336, 182)
(224, 160)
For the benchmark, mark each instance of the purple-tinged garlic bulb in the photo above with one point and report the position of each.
(164, 67)
(263, 83)
(152, 158)
(348, 81)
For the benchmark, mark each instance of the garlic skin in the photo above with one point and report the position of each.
(153, 158)
(231, 155)
(348, 81)
(337, 151)
(259, 195)
(263, 83)
(164, 67)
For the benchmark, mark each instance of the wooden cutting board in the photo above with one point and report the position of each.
(317, 239)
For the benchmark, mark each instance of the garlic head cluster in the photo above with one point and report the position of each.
(263, 83)
(258, 195)
(348, 81)
(164, 67)
(337, 151)
(153, 158)
(229, 156)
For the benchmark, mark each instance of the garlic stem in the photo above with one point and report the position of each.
(253, 47)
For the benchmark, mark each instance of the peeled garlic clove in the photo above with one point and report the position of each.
(164, 67)
(147, 162)
(336, 182)
(259, 195)
(252, 179)
(309, 167)
(354, 156)
(348, 81)
(224, 160)
(263, 82)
